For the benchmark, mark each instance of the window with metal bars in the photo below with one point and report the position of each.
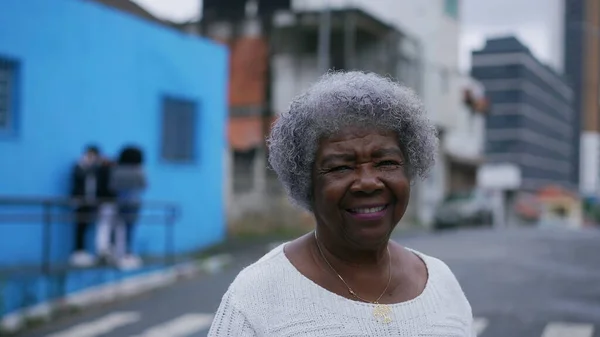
(179, 132)
(7, 94)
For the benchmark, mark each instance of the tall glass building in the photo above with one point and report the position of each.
(531, 121)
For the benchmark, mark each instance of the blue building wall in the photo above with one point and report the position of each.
(531, 104)
(87, 73)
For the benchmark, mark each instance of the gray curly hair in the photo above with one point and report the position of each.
(338, 100)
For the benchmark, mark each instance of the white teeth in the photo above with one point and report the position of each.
(368, 210)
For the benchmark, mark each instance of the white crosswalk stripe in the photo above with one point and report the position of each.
(180, 327)
(100, 326)
(568, 330)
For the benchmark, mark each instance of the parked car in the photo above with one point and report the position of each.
(464, 208)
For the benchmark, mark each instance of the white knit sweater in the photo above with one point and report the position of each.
(272, 298)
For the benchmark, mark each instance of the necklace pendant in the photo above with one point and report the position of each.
(382, 313)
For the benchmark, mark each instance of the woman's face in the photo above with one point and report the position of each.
(361, 189)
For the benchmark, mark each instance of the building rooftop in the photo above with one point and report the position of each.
(511, 44)
(505, 44)
(132, 8)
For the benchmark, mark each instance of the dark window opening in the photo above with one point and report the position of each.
(243, 170)
(178, 130)
(266, 7)
(7, 94)
(224, 9)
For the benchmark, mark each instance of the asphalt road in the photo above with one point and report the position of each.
(525, 282)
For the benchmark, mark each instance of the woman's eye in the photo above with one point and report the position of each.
(389, 163)
(340, 168)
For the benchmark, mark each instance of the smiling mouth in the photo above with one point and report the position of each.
(367, 210)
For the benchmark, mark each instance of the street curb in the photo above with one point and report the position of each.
(113, 291)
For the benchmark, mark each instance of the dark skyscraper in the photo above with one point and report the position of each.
(530, 124)
(582, 58)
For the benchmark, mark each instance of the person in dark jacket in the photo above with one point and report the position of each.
(107, 212)
(128, 181)
(84, 188)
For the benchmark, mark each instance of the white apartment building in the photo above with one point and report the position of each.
(464, 143)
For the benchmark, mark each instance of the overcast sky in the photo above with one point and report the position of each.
(174, 10)
(537, 23)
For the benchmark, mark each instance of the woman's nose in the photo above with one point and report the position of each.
(367, 180)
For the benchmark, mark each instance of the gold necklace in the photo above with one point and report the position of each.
(381, 312)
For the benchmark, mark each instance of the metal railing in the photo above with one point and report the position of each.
(48, 212)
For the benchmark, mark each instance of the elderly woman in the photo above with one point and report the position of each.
(347, 151)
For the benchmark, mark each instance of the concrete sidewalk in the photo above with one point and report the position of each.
(110, 292)
(210, 261)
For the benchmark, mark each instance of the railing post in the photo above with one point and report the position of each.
(46, 237)
(169, 238)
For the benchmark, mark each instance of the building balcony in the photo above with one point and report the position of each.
(358, 41)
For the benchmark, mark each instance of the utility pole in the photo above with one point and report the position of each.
(267, 30)
(324, 39)
(350, 40)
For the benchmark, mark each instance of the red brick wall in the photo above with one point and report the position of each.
(248, 71)
(248, 75)
(591, 120)
(245, 132)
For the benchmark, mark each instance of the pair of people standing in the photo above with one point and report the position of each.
(109, 194)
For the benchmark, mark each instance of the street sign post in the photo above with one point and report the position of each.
(499, 178)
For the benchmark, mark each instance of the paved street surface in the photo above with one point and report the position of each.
(521, 283)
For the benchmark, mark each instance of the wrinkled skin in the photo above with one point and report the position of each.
(356, 168)
(359, 168)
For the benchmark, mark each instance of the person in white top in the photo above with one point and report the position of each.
(347, 150)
